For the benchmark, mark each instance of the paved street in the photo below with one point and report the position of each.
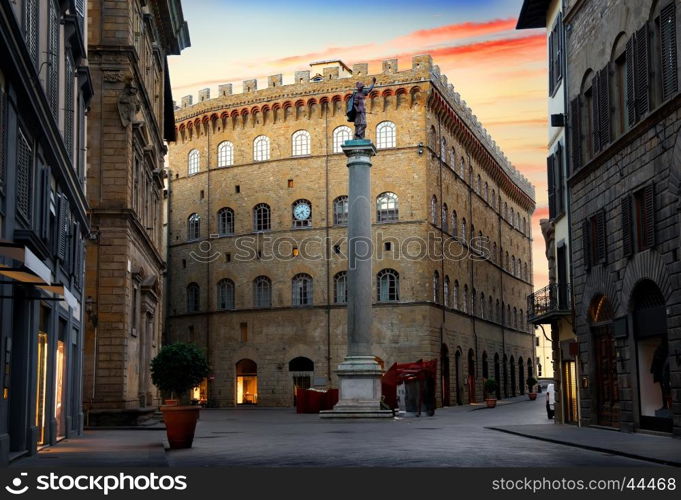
(279, 437)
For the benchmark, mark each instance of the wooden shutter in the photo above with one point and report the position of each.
(550, 169)
(559, 179)
(642, 70)
(576, 133)
(604, 106)
(61, 235)
(551, 63)
(649, 216)
(595, 114)
(586, 243)
(668, 47)
(627, 226)
(600, 237)
(631, 82)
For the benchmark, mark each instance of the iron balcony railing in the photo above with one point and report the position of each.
(554, 299)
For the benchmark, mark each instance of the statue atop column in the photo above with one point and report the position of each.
(357, 112)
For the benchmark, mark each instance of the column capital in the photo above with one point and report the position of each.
(358, 147)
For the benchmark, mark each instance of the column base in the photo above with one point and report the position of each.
(359, 391)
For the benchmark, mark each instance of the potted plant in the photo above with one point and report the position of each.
(531, 382)
(176, 369)
(490, 391)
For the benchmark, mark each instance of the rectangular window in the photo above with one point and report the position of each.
(53, 59)
(594, 239)
(31, 28)
(69, 80)
(667, 37)
(24, 175)
(243, 327)
(638, 221)
(556, 55)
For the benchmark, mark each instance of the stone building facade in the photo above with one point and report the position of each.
(130, 119)
(45, 89)
(257, 236)
(625, 155)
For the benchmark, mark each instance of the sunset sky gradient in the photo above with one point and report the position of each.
(499, 71)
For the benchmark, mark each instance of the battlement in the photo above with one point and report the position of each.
(337, 77)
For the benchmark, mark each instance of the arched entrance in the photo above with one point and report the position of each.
(444, 369)
(521, 376)
(459, 376)
(485, 373)
(652, 357)
(605, 388)
(246, 382)
(471, 376)
(302, 371)
(505, 376)
(497, 373)
(513, 384)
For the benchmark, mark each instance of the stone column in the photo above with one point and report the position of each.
(359, 375)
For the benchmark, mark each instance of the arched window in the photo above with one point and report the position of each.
(455, 223)
(463, 167)
(494, 251)
(508, 262)
(486, 192)
(225, 221)
(513, 265)
(452, 159)
(388, 285)
(455, 295)
(490, 309)
(261, 217)
(497, 314)
(482, 305)
(262, 292)
(508, 315)
(433, 210)
(385, 135)
(446, 291)
(301, 213)
(340, 288)
(261, 148)
(226, 295)
(515, 317)
(193, 162)
(493, 201)
(193, 298)
(464, 299)
(340, 211)
(225, 154)
(479, 186)
(436, 287)
(194, 227)
(445, 218)
(301, 290)
(387, 209)
(463, 229)
(340, 135)
(474, 301)
(301, 143)
(443, 149)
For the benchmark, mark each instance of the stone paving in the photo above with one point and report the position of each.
(454, 437)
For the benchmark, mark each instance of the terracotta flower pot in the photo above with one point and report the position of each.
(532, 395)
(180, 425)
(170, 402)
(491, 402)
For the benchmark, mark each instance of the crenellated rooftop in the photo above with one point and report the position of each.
(335, 77)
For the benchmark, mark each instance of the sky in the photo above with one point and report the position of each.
(500, 72)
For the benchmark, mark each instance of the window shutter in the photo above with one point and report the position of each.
(45, 205)
(649, 215)
(642, 73)
(586, 243)
(604, 106)
(551, 63)
(600, 232)
(560, 201)
(550, 169)
(627, 227)
(62, 228)
(668, 47)
(595, 113)
(576, 133)
(630, 84)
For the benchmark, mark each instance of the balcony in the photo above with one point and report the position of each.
(549, 303)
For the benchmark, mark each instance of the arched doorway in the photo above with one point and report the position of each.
(471, 376)
(301, 370)
(444, 369)
(521, 376)
(513, 384)
(505, 376)
(497, 373)
(605, 388)
(246, 382)
(459, 376)
(485, 373)
(648, 307)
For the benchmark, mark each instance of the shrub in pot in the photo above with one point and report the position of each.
(531, 382)
(176, 369)
(490, 390)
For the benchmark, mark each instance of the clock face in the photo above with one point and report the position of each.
(302, 211)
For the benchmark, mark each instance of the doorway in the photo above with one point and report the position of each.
(302, 371)
(606, 387)
(497, 374)
(246, 382)
(471, 376)
(513, 384)
(459, 376)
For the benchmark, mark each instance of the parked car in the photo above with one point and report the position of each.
(550, 401)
